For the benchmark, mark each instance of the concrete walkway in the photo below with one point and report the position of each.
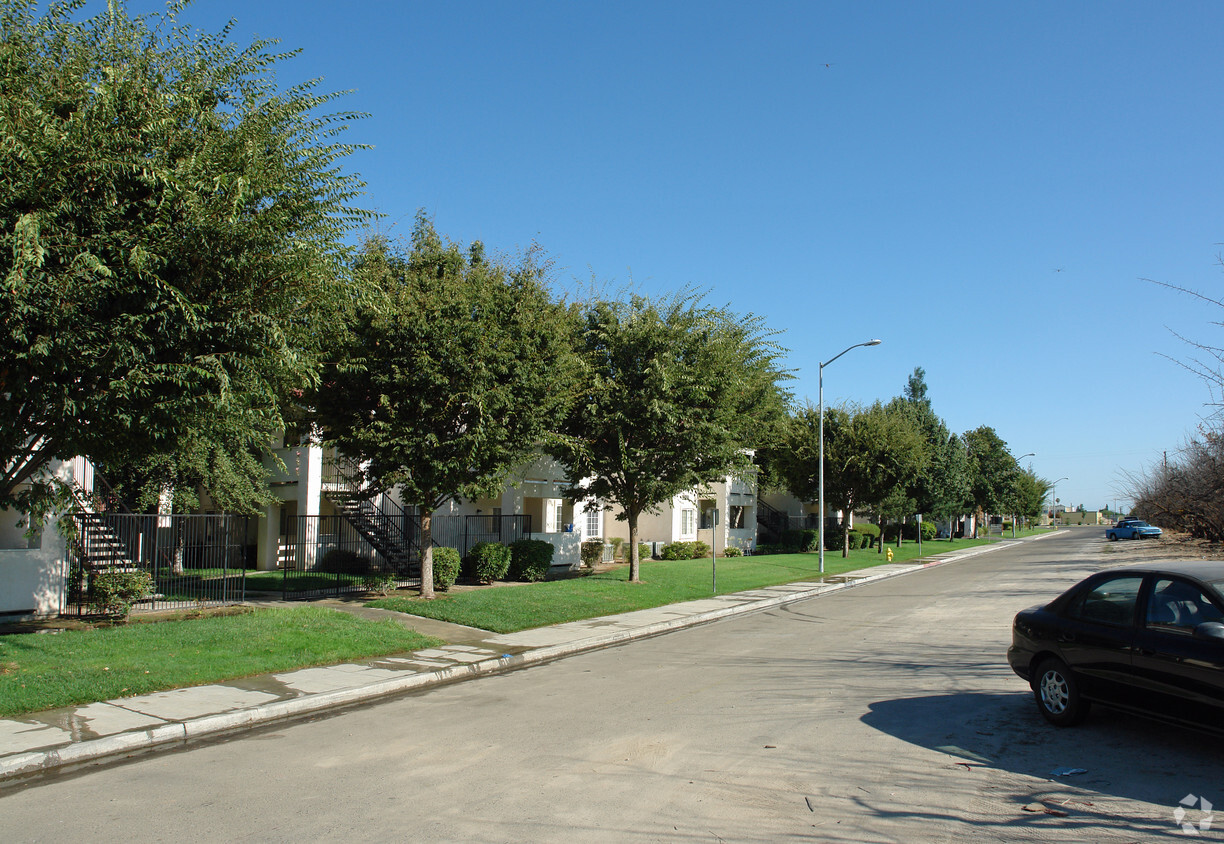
(57, 739)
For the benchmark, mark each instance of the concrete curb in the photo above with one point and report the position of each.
(20, 766)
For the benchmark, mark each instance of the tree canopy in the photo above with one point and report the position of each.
(871, 453)
(456, 373)
(992, 470)
(674, 395)
(171, 229)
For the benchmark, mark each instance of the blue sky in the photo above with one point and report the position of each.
(983, 186)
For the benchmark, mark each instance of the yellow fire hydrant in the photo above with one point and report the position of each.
(888, 553)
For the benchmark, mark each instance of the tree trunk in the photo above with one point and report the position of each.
(634, 556)
(845, 526)
(427, 580)
(880, 544)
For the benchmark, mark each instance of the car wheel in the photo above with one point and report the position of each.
(1057, 693)
(1113, 537)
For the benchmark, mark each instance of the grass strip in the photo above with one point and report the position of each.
(43, 671)
(507, 610)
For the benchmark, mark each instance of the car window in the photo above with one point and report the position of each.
(1109, 601)
(1179, 605)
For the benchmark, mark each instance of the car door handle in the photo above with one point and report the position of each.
(1066, 637)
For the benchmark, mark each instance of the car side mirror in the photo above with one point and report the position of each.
(1210, 630)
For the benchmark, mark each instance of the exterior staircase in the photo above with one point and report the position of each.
(771, 523)
(385, 525)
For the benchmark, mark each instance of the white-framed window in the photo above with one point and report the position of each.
(687, 522)
(593, 527)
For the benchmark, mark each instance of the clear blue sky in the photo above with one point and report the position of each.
(981, 185)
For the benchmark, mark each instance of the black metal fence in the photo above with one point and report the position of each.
(191, 560)
(328, 555)
(462, 532)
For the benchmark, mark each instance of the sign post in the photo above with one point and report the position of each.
(713, 554)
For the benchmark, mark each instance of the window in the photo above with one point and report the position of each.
(1109, 601)
(1179, 605)
(686, 522)
(593, 526)
(735, 516)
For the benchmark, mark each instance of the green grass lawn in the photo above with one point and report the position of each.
(43, 671)
(506, 610)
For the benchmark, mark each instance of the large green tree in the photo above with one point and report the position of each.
(452, 376)
(871, 454)
(171, 225)
(992, 471)
(675, 394)
(941, 487)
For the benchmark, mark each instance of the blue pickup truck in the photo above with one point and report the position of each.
(1131, 529)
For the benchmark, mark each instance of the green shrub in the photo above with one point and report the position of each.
(762, 550)
(791, 540)
(487, 562)
(928, 531)
(855, 540)
(382, 584)
(530, 559)
(698, 550)
(731, 552)
(867, 529)
(809, 540)
(114, 592)
(342, 561)
(592, 552)
(677, 551)
(644, 552)
(617, 542)
(445, 568)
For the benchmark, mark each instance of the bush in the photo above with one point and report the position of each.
(869, 532)
(928, 531)
(809, 540)
(445, 568)
(698, 550)
(731, 552)
(855, 540)
(382, 584)
(677, 551)
(791, 539)
(342, 561)
(487, 562)
(114, 592)
(530, 559)
(644, 552)
(762, 550)
(592, 552)
(617, 542)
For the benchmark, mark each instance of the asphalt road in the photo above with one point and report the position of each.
(885, 712)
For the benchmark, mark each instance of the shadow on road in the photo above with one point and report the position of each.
(1125, 756)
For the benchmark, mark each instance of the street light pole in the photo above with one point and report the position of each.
(821, 505)
(1054, 502)
(1018, 459)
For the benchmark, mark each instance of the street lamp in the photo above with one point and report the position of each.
(1014, 516)
(1054, 502)
(821, 513)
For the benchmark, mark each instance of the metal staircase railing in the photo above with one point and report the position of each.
(385, 525)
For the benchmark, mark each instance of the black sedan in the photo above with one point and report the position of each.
(1147, 639)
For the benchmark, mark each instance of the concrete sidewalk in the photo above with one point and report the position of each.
(59, 738)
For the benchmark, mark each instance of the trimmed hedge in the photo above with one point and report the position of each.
(530, 559)
(487, 562)
(446, 565)
(114, 592)
(591, 552)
